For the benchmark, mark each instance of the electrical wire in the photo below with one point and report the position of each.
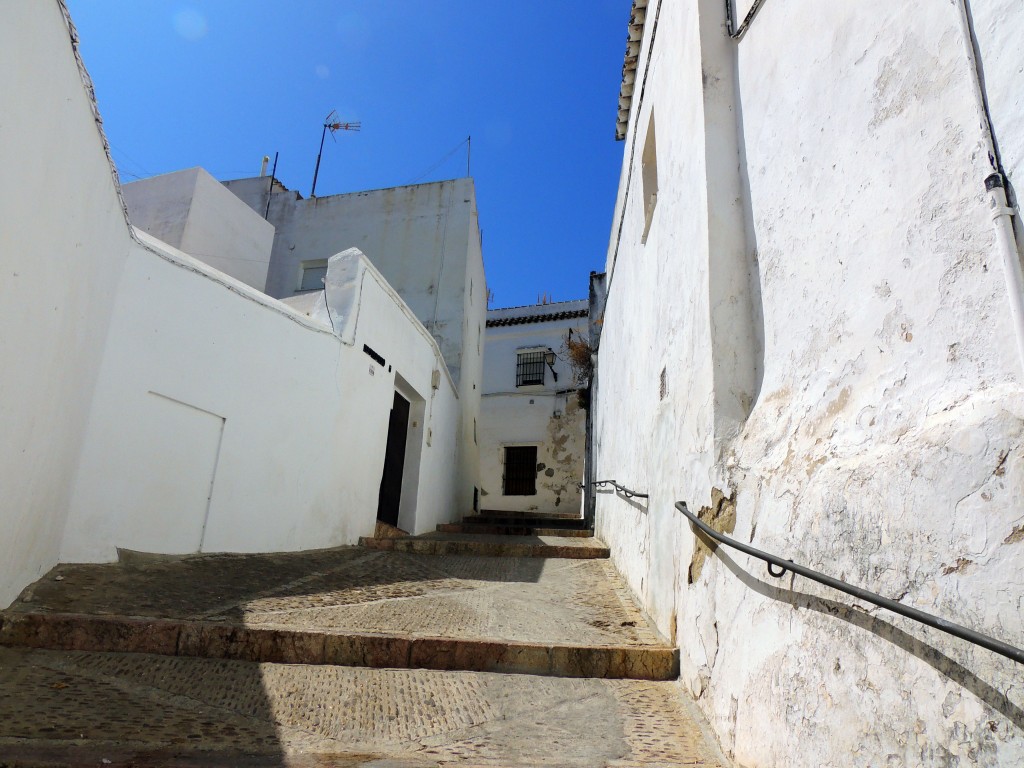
(440, 162)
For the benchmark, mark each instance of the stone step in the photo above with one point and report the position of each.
(211, 640)
(350, 606)
(535, 522)
(492, 545)
(575, 515)
(90, 710)
(513, 530)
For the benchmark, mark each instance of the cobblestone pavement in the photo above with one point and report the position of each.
(351, 589)
(98, 709)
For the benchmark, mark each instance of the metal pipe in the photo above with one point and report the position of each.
(1002, 219)
(995, 183)
(730, 18)
(270, 189)
(998, 646)
(312, 192)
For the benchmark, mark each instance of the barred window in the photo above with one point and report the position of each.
(520, 470)
(529, 368)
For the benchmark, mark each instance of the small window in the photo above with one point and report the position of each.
(649, 173)
(521, 470)
(313, 274)
(529, 368)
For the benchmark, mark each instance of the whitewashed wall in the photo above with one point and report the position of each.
(57, 281)
(820, 285)
(190, 210)
(433, 485)
(152, 402)
(418, 236)
(546, 415)
(424, 239)
(224, 421)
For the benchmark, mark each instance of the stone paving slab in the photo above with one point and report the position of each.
(493, 545)
(351, 606)
(95, 709)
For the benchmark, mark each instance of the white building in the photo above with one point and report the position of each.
(153, 402)
(812, 335)
(424, 239)
(191, 211)
(531, 430)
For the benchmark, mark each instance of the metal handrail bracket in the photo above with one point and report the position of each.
(627, 492)
(998, 646)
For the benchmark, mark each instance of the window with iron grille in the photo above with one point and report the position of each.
(520, 470)
(529, 368)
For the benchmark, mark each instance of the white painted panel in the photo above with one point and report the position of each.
(171, 451)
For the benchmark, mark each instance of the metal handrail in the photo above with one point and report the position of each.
(1004, 649)
(627, 492)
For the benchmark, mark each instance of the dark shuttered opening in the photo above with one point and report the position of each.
(521, 470)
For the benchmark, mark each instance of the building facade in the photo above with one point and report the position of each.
(424, 239)
(812, 337)
(531, 429)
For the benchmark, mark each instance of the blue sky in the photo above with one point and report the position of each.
(220, 84)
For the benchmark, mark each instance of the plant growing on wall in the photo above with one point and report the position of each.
(578, 352)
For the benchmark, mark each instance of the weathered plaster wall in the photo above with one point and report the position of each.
(546, 415)
(513, 420)
(190, 210)
(882, 444)
(57, 280)
(224, 421)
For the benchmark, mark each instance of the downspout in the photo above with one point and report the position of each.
(995, 185)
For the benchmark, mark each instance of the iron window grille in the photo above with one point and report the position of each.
(520, 471)
(529, 368)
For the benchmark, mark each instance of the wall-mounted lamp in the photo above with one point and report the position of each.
(549, 358)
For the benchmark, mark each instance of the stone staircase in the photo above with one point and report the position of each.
(521, 524)
(494, 533)
(390, 617)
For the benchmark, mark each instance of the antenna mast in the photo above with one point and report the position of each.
(332, 124)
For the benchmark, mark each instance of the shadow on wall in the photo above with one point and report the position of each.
(756, 307)
(734, 280)
(639, 504)
(945, 665)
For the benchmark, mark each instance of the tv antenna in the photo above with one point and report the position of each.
(331, 123)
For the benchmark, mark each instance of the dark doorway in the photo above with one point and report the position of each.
(520, 470)
(394, 462)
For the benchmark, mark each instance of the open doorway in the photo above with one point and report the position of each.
(389, 499)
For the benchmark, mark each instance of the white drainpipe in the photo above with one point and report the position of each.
(995, 185)
(1002, 218)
